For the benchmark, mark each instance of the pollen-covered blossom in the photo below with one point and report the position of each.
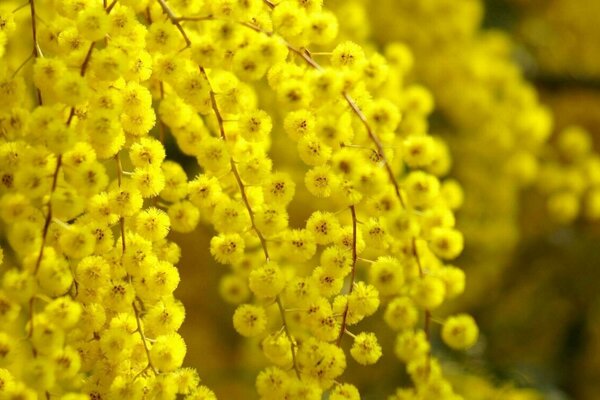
(91, 191)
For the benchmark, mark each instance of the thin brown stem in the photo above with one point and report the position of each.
(375, 139)
(138, 323)
(352, 276)
(82, 72)
(136, 312)
(111, 6)
(20, 67)
(119, 169)
(234, 169)
(194, 19)
(19, 8)
(119, 182)
(242, 188)
(37, 51)
(287, 332)
(161, 124)
(87, 59)
(221, 122)
(31, 323)
(427, 316)
(262, 239)
(48, 218)
(175, 21)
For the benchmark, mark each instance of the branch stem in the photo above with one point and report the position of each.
(352, 277)
(287, 332)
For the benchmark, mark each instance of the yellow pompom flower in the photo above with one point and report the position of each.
(247, 66)
(336, 261)
(347, 54)
(344, 391)
(279, 189)
(411, 345)
(125, 200)
(147, 152)
(429, 292)
(203, 191)
(276, 348)
(563, 206)
(324, 226)
(184, 216)
(460, 331)
(300, 244)
(201, 393)
(164, 317)
(323, 27)
(167, 352)
(401, 313)
(271, 220)
(46, 72)
(418, 150)
(447, 243)
(328, 284)
(162, 280)
(233, 288)
(176, 185)
(454, 279)
(105, 133)
(321, 181)
(162, 37)
(366, 349)
(64, 312)
(313, 151)
(249, 320)
(386, 275)
(71, 88)
(67, 363)
(266, 281)
(294, 94)
(9, 308)
(213, 156)
(40, 374)
(150, 181)
(77, 242)
(421, 188)
(364, 299)
(272, 382)
(116, 342)
(299, 123)
(301, 291)
(231, 216)
(48, 338)
(255, 126)
(255, 170)
(7, 20)
(289, 20)
(8, 349)
(93, 23)
(152, 224)
(108, 64)
(99, 208)
(227, 248)
(54, 275)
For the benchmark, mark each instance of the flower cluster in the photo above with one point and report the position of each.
(89, 195)
(86, 302)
